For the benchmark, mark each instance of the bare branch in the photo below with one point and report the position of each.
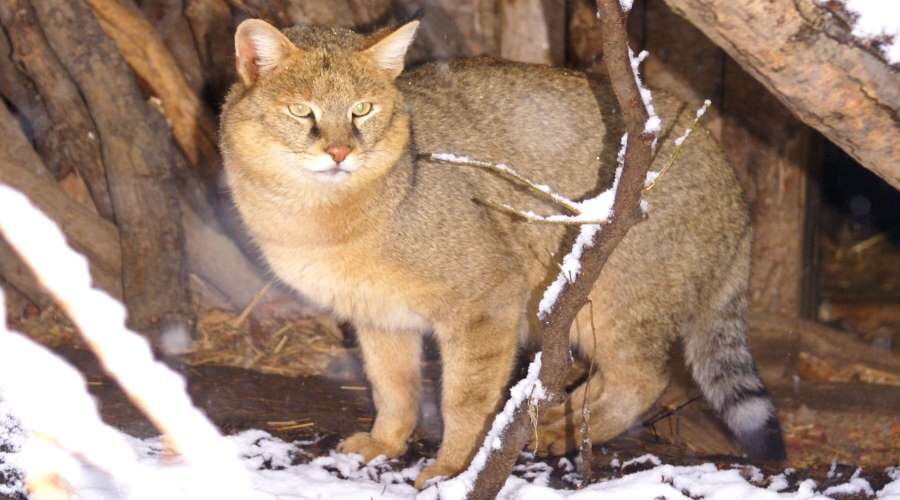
(506, 172)
(555, 325)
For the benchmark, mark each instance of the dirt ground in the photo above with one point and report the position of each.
(830, 429)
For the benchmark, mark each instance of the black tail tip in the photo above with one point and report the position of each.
(765, 442)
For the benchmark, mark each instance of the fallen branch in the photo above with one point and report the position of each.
(560, 312)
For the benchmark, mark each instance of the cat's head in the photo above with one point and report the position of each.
(316, 119)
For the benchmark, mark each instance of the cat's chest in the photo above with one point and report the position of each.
(355, 284)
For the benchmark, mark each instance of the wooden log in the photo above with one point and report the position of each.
(20, 92)
(94, 237)
(70, 140)
(170, 22)
(193, 125)
(139, 163)
(770, 151)
(210, 22)
(451, 28)
(772, 331)
(533, 31)
(829, 81)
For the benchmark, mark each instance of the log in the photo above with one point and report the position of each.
(70, 139)
(771, 332)
(193, 125)
(94, 237)
(168, 18)
(210, 22)
(451, 28)
(831, 83)
(139, 161)
(533, 31)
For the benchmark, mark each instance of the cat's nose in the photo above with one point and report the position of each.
(338, 153)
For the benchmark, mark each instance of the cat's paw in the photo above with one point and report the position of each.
(434, 471)
(362, 443)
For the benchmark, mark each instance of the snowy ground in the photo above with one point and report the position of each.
(289, 471)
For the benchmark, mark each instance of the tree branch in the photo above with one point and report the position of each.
(556, 323)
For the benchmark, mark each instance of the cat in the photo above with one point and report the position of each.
(324, 139)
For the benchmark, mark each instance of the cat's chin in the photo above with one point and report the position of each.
(332, 176)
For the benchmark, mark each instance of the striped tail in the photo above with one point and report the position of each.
(724, 369)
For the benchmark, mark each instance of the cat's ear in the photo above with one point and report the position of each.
(259, 47)
(389, 52)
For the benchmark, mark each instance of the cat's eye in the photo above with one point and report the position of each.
(299, 110)
(361, 109)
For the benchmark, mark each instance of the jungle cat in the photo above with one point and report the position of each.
(323, 137)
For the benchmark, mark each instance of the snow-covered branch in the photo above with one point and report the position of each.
(154, 388)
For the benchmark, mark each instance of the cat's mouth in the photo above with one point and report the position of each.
(332, 175)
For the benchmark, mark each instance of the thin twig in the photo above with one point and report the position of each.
(679, 143)
(507, 173)
(563, 220)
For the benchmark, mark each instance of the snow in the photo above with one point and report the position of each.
(653, 124)
(274, 472)
(875, 19)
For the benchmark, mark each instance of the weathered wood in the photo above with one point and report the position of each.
(846, 92)
(193, 125)
(169, 20)
(533, 31)
(94, 237)
(70, 140)
(139, 162)
(769, 151)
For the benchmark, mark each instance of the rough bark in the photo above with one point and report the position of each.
(96, 238)
(193, 125)
(554, 328)
(842, 89)
(70, 138)
(139, 162)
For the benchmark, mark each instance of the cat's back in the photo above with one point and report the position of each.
(541, 120)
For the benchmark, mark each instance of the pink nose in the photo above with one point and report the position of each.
(338, 153)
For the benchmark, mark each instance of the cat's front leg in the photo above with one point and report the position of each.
(393, 364)
(477, 357)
